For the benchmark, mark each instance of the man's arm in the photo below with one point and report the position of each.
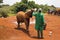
(33, 16)
(43, 21)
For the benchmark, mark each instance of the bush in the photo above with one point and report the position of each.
(3, 13)
(19, 7)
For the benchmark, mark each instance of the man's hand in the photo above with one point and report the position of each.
(44, 26)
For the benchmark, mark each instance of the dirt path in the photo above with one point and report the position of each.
(8, 29)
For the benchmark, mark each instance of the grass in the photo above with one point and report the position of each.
(10, 14)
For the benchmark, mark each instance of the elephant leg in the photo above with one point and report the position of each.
(54, 13)
(18, 24)
(27, 24)
(51, 13)
(59, 14)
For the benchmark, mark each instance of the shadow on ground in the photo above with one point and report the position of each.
(24, 30)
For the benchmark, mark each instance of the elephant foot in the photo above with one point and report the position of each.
(18, 27)
(27, 30)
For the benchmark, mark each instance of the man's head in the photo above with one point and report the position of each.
(39, 10)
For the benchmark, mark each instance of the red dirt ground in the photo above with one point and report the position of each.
(8, 29)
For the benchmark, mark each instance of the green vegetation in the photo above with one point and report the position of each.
(25, 4)
(1, 1)
(6, 10)
(10, 14)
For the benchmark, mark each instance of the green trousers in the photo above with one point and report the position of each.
(40, 34)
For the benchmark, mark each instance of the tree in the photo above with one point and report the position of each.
(19, 7)
(24, 1)
(45, 8)
(53, 6)
(31, 4)
(23, 5)
(3, 13)
(1, 1)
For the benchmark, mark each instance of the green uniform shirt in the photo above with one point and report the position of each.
(39, 20)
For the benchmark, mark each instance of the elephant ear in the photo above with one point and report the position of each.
(29, 13)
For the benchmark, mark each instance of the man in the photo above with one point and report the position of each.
(39, 25)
